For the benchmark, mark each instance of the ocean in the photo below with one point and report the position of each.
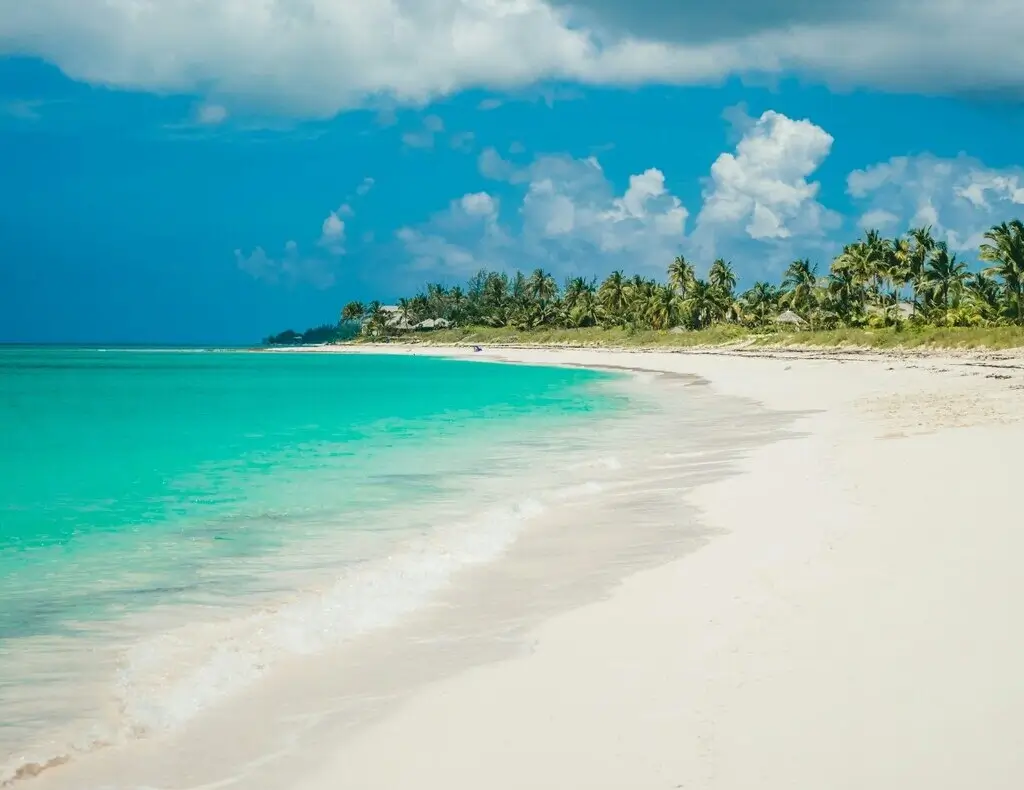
(174, 523)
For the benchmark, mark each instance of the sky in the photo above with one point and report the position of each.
(212, 171)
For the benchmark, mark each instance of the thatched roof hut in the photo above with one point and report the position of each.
(433, 323)
(789, 317)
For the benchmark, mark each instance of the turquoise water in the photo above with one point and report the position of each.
(135, 484)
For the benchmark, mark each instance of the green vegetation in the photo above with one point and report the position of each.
(318, 335)
(906, 335)
(881, 292)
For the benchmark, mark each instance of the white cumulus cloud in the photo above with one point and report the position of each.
(459, 241)
(763, 192)
(760, 205)
(293, 266)
(316, 57)
(960, 197)
(568, 219)
(332, 232)
(479, 204)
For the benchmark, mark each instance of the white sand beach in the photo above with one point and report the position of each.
(850, 618)
(857, 626)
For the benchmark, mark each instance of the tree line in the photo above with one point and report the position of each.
(317, 335)
(874, 281)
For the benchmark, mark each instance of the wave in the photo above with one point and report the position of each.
(165, 680)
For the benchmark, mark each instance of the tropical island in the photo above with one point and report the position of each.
(907, 290)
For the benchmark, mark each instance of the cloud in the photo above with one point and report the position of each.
(424, 136)
(693, 22)
(211, 114)
(492, 165)
(759, 206)
(431, 128)
(289, 268)
(960, 197)
(332, 232)
(764, 188)
(317, 57)
(878, 219)
(568, 219)
(877, 43)
(479, 204)
(333, 227)
(293, 266)
(458, 241)
(463, 141)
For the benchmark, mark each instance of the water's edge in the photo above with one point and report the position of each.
(558, 556)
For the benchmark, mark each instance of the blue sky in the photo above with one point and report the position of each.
(214, 171)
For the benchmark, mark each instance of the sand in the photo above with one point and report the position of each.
(847, 616)
(857, 626)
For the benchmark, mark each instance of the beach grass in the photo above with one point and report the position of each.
(889, 338)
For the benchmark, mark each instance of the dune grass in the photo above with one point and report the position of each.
(905, 337)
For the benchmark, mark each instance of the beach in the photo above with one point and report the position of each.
(855, 627)
(839, 611)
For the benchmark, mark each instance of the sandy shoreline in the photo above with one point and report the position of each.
(855, 628)
(850, 622)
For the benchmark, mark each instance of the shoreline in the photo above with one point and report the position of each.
(834, 353)
(867, 639)
(775, 652)
(475, 608)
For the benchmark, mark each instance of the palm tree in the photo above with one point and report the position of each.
(704, 304)
(574, 291)
(870, 275)
(541, 286)
(663, 308)
(921, 245)
(586, 311)
(437, 298)
(845, 294)
(377, 323)
(722, 278)
(639, 292)
(1005, 249)
(681, 275)
(799, 283)
(457, 298)
(944, 279)
(896, 269)
(985, 295)
(614, 294)
(405, 311)
(761, 302)
(353, 311)
(864, 259)
(519, 288)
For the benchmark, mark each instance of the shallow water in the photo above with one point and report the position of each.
(175, 524)
(604, 500)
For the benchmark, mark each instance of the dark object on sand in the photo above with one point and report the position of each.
(477, 348)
